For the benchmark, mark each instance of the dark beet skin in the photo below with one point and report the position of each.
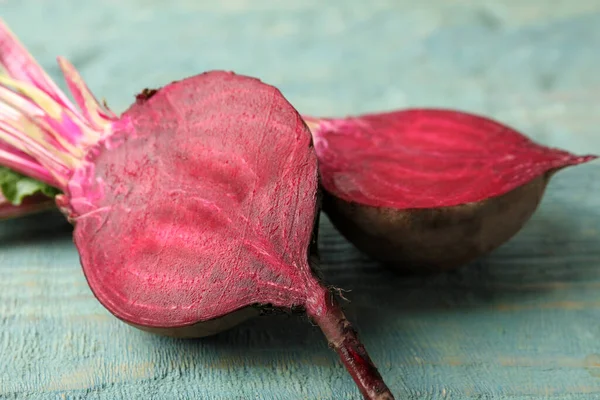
(432, 240)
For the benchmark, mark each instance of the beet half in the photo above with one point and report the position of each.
(430, 189)
(192, 210)
(30, 205)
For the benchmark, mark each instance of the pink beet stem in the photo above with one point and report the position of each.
(325, 312)
(39, 120)
(18, 161)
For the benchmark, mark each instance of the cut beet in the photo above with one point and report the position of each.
(30, 205)
(193, 209)
(430, 189)
(212, 188)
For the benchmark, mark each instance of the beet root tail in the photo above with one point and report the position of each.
(326, 313)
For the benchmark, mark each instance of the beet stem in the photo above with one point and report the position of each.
(326, 313)
(42, 133)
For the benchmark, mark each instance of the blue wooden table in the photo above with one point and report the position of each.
(522, 323)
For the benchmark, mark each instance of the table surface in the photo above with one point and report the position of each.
(522, 323)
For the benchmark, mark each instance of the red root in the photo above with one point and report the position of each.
(326, 313)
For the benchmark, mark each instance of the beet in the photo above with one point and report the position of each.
(30, 205)
(193, 210)
(430, 189)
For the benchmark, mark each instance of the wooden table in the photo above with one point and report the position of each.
(523, 323)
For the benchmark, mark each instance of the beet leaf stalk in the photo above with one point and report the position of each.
(193, 210)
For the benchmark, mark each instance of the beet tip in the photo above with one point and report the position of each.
(430, 189)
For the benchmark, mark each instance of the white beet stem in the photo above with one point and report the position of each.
(42, 133)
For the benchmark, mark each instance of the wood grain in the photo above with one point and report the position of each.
(523, 323)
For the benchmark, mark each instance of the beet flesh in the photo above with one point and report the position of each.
(430, 189)
(206, 205)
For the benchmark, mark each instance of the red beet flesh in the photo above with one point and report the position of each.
(208, 205)
(203, 202)
(427, 158)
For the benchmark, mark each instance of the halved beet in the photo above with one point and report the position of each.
(430, 189)
(192, 210)
(30, 205)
